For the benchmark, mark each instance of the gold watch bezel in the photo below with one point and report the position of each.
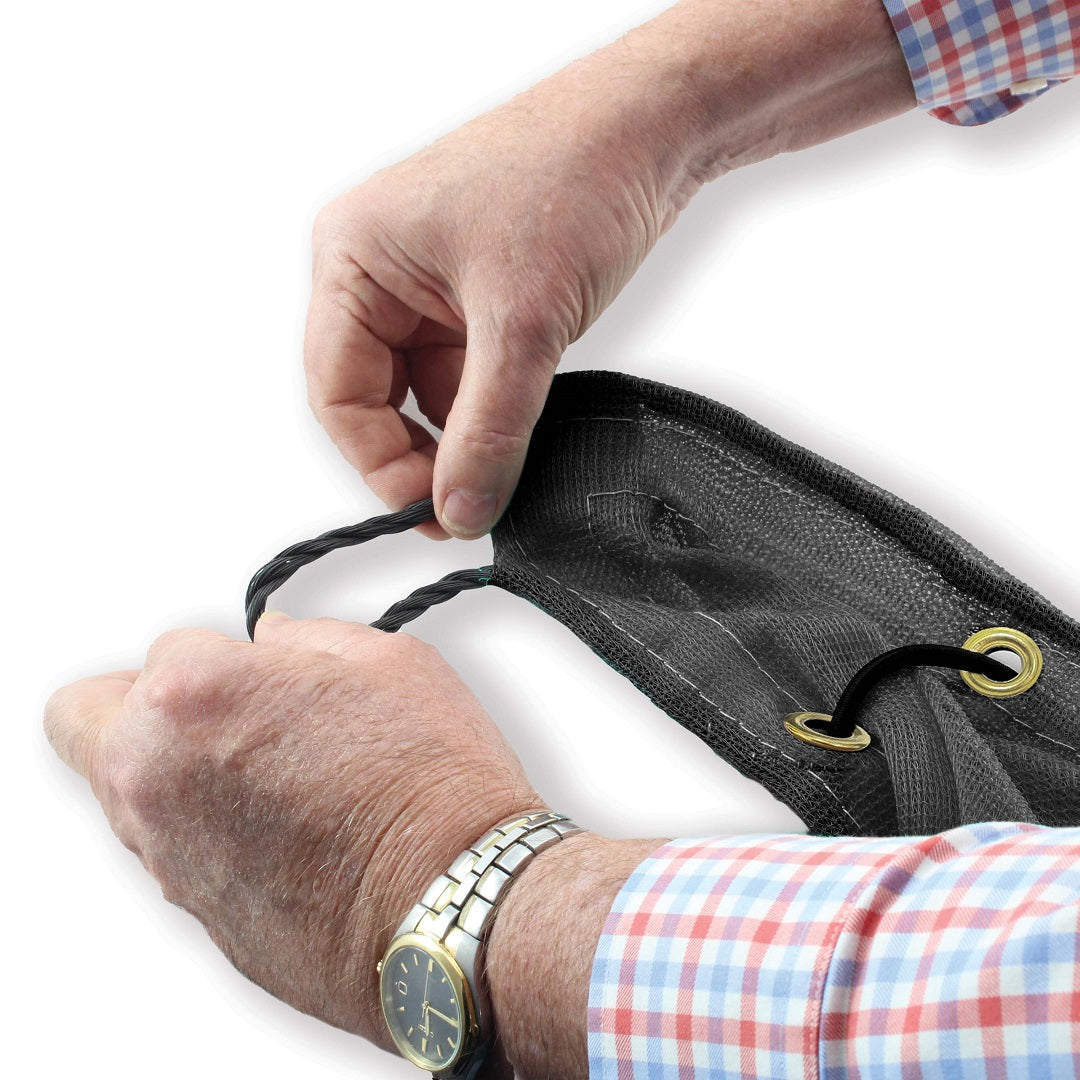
(470, 1030)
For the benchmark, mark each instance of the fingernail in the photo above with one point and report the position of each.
(469, 513)
(274, 616)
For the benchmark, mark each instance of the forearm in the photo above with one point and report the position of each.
(710, 85)
(541, 950)
(761, 77)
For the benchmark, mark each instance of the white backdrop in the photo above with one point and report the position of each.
(902, 300)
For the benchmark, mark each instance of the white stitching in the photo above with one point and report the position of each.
(731, 634)
(679, 675)
(646, 539)
(1017, 720)
(1057, 652)
(861, 523)
(665, 505)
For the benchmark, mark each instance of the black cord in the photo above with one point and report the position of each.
(907, 656)
(279, 569)
(438, 592)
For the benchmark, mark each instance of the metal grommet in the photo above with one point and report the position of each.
(797, 724)
(1004, 637)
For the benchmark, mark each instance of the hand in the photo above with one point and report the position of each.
(464, 272)
(296, 795)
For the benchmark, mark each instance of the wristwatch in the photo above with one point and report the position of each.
(433, 998)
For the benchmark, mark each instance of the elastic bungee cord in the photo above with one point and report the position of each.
(908, 656)
(840, 726)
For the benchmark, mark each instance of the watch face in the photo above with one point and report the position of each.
(426, 1003)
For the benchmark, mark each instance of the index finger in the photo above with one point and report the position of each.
(357, 375)
(350, 373)
(77, 715)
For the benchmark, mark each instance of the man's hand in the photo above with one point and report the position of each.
(296, 795)
(464, 272)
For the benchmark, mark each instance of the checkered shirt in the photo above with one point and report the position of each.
(794, 958)
(975, 60)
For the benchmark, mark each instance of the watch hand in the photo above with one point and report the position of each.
(441, 1016)
(425, 1026)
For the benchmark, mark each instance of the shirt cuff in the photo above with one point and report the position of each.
(801, 957)
(972, 61)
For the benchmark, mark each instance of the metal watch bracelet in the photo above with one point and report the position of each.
(458, 905)
(453, 918)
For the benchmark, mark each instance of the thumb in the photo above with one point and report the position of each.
(78, 717)
(504, 385)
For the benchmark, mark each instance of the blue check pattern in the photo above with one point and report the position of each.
(972, 61)
(807, 958)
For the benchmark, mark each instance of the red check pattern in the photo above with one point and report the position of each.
(952, 956)
(974, 60)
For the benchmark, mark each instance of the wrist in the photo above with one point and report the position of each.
(433, 993)
(540, 952)
(413, 850)
(716, 84)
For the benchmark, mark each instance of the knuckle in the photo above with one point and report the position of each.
(537, 330)
(307, 637)
(344, 228)
(493, 442)
(185, 687)
(138, 797)
(522, 326)
(329, 224)
(127, 782)
(536, 315)
(165, 690)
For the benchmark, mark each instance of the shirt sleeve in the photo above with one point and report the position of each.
(795, 958)
(975, 60)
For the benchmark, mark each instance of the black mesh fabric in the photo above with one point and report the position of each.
(735, 577)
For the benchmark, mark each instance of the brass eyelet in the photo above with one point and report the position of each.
(1004, 637)
(796, 723)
